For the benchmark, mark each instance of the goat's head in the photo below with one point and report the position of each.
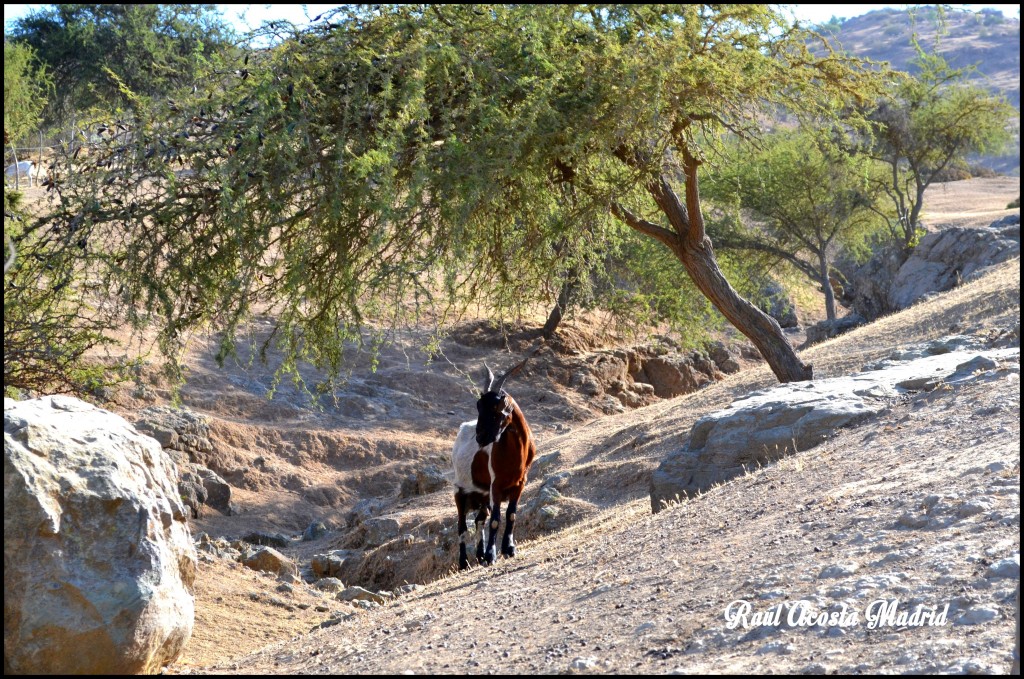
(494, 409)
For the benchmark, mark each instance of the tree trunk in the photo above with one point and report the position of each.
(759, 327)
(826, 287)
(910, 236)
(558, 311)
(688, 240)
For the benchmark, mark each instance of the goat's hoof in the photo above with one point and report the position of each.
(463, 564)
(508, 551)
(489, 558)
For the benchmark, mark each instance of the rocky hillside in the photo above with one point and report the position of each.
(987, 40)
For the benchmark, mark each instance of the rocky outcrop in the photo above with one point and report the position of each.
(638, 376)
(946, 258)
(182, 432)
(891, 280)
(192, 492)
(770, 424)
(823, 330)
(676, 374)
(185, 436)
(867, 285)
(99, 565)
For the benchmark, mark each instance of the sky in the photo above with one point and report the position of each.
(246, 17)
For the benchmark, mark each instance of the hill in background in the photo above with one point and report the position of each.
(987, 40)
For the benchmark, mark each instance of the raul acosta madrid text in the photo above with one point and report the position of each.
(879, 613)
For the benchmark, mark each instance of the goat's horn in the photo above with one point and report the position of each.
(514, 370)
(488, 379)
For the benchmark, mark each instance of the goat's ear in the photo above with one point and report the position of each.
(488, 379)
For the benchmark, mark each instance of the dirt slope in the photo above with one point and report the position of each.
(630, 592)
(292, 463)
(624, 591)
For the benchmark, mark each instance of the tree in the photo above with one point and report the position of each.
(26, 86)
(927, 123)
(807, 196)
(152, 49)
(53, 319)
(400, 152)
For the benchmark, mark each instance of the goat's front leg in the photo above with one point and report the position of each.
(508, 544)
(491, 553)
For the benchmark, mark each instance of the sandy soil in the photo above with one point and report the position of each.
(972, 202)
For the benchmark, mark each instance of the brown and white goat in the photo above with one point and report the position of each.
(491, 457)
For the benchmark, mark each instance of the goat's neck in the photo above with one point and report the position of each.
(518, 419)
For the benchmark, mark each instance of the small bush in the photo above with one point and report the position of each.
(980, 171)
(1015, 203)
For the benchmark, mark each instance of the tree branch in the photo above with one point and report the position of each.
(645, 227)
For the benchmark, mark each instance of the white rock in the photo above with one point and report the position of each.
(583, 664)
(99, 564)
(977, 615)
(839, 570)
(1005, 568)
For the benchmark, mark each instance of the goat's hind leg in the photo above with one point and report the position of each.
(461, 502)
(481, 521)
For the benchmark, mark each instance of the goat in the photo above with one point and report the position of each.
(23, 168)
(491, 458)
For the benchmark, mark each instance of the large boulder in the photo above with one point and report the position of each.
(893, 279)
(946, 258)
(270, 560)
(218, 492)
(769, 424)
(99, 565)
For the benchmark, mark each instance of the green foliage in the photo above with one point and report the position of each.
(833, 25)
(403, 163)
(54, 321)
(926, 127)
(643, 284)
(26, 87)
(1014, 203)
(806, 195)
(153, 49)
